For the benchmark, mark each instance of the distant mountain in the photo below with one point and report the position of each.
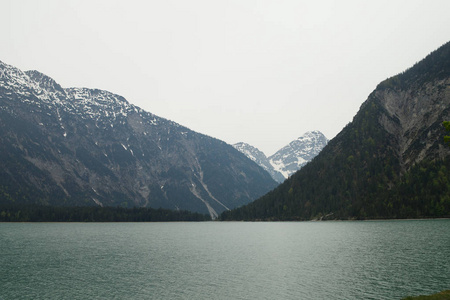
(298, 153)
(79, 146)
(260, 158)
(288, 159)
(389, 162)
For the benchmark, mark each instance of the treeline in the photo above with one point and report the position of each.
(423, 192)
(40, 213)
(436, 66)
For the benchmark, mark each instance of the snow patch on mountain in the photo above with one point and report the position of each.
(93, 144)
(288, 159)
(260, 158)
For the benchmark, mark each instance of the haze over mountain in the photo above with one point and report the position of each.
(288, 159)
(389, 162)
(80, 146)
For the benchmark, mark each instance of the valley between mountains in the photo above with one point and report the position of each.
(91, 148)
(390, 161)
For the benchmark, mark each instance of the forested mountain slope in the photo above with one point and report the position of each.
(389, 162)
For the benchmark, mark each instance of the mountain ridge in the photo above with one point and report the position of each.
(81, 146)
(298, 153)
(260, 158)
(288, 159)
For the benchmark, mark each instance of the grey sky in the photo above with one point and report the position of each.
(261, 72)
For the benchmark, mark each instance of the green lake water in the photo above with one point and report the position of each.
(224, 260)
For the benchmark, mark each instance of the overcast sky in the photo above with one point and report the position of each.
(261, 72)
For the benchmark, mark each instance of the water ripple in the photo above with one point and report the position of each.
(324, 260)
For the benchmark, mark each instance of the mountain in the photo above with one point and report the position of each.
(288, 159)
(298, 153)
(80, 146)
(389, 162)
(260, 158)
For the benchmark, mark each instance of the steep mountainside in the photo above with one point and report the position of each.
(288, 159)
(79, 146)
(389, 162)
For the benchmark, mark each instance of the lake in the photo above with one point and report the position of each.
(224, 260)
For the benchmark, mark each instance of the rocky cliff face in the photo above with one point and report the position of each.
(414, 118)
(288, 159)
(79, 146)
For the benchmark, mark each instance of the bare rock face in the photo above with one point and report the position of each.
(79, 146)
(414, 117)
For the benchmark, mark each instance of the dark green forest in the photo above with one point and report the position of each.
(41, 213)
(423, 192)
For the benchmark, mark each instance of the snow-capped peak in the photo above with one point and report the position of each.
(290, 158)
(298, 153)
